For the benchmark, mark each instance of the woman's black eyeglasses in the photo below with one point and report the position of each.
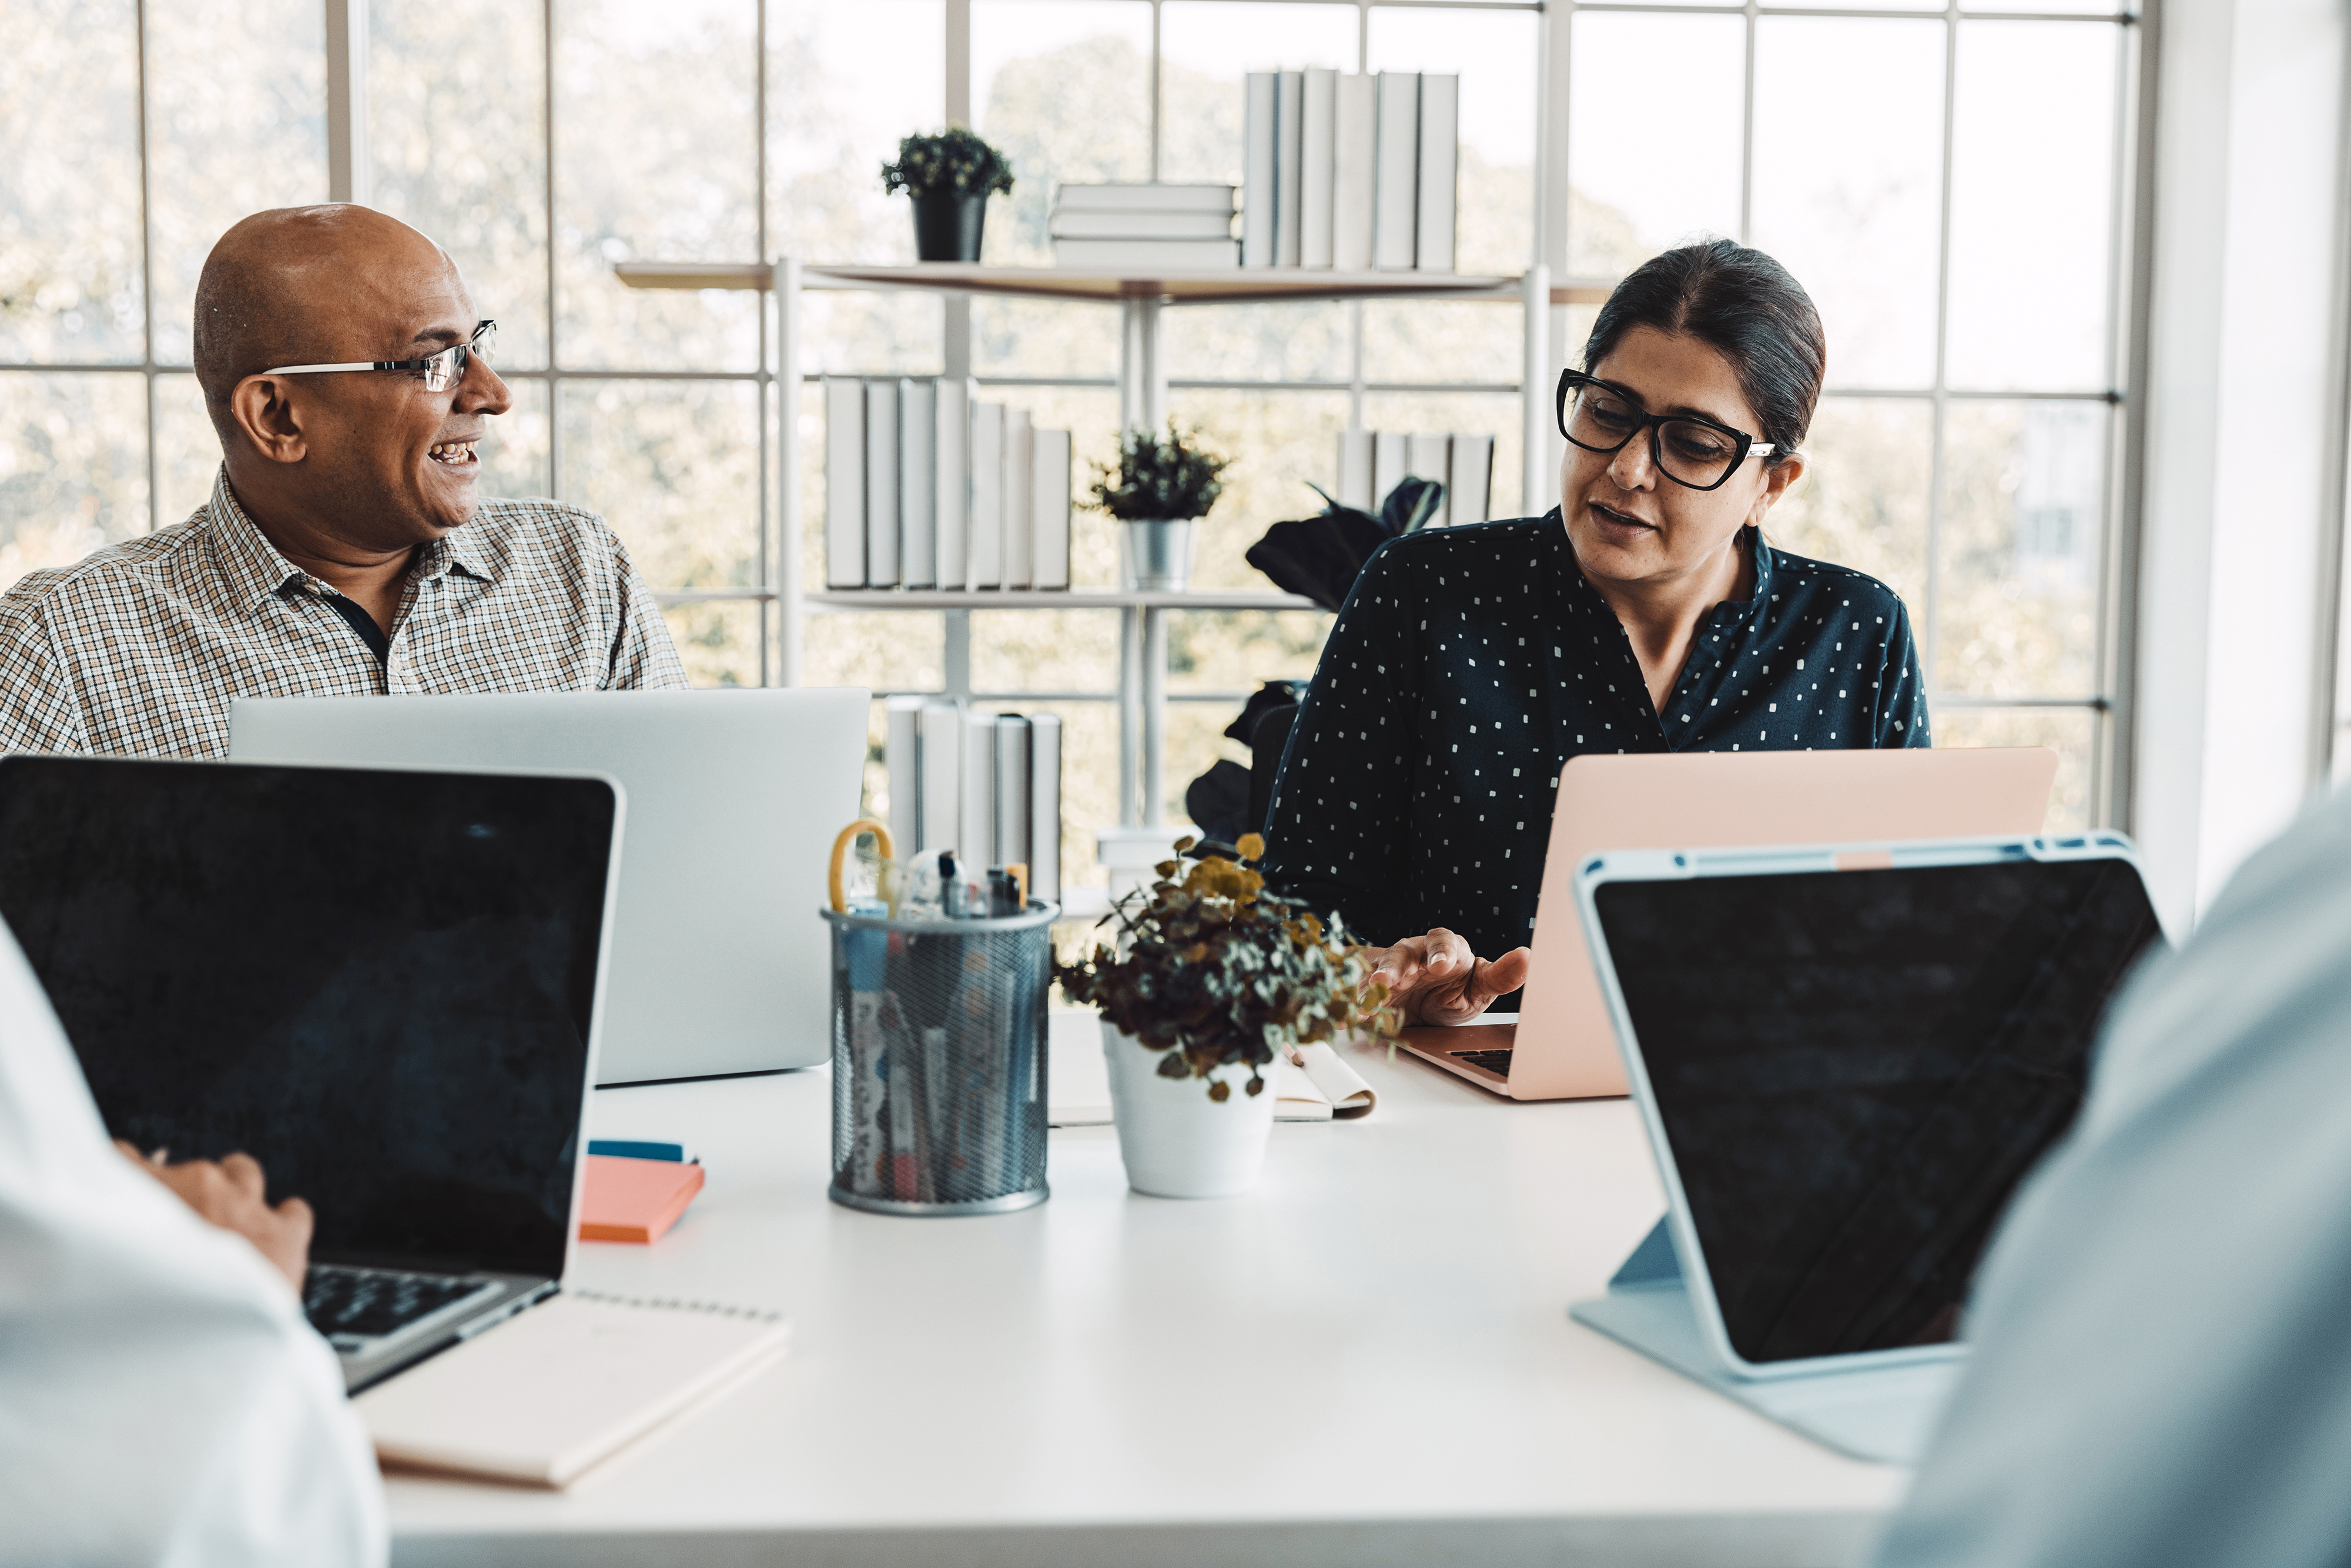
(1694, 453)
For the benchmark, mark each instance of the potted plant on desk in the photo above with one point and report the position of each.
(1160, 488)
(1211, 976)
(950, 177)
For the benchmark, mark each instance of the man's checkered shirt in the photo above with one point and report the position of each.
(137, 650)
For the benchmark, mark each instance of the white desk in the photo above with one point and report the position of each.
(1368, 1361)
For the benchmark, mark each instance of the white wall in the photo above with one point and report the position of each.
(2246, 415)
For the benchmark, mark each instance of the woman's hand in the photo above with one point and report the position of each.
(234, 1196)
(1437, 979)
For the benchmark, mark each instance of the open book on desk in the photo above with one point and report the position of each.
(1318, 1087)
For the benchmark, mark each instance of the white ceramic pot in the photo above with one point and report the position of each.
(1175, 1140)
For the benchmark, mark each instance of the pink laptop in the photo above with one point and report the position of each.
(1562, 1046)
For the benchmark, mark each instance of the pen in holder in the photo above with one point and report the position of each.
(939, 1055)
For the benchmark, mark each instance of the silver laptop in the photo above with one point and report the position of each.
(383, 986)
(718, 958)
(1846, 1057)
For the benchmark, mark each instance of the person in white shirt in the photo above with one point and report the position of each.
(162, 1399)
(2160, 1333)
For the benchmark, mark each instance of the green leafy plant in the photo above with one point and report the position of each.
(1212, 969)
(955, 160)
(1160, 477)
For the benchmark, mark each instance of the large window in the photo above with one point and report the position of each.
(1949, 186)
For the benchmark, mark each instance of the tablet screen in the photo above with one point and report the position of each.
(377, 984)
(1855, 1069)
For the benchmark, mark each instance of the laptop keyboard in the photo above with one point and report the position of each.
(1492, 1061)
(354, 1308)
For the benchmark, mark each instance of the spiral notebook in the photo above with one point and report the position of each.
(545, 1396)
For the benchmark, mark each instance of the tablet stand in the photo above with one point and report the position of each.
(1886, 1413)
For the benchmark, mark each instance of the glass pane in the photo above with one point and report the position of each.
(1640, 181)
(1480, 414)
(514, 458)
(2032, 154)
(844, 84)
(657, 159)
(674, 467)
(236, 124)
(2073, 732)
(1444, 340)
(456, 124)
(1045, 650)
(1277, 441)
(1495, 54)
(1063, 88)
(1848, 175)
(891, 651)
(1276, 342)
(70, 286)
(1863, 502)
(1239, 650)
(73, 467)
(2022, 541)
(1043, 337)
(1207, 46)
(717, 642)
(187, 448)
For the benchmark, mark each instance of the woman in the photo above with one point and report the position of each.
(1646, 615)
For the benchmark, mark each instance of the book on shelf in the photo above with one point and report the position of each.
(1051, 508)
(1426, 458)
(952, 446)
(1140, 196)
(1176, 254)
(1372, 462)
(1352, 147)
(1440, 160)
(1396, 217)
(984, 786)
(918, 474)
(844, 481)
(881, 482)
(1288, 132)
(985, 566)
(1020, 499)
(1316, 165)
(1259, 159)
(1140, 223)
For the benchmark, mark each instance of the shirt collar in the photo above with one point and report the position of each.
(255, 570)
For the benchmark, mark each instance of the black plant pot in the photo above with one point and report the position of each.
(948, 225)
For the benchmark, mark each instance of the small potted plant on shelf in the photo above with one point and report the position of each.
(1159, 488)
(1210, 975)
(950, 177)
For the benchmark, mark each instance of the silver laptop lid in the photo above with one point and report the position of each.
(718, 960)
(381, 985)
(1847, 1058)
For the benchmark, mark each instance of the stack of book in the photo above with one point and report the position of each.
(985, 786)
(1373, 462)
(1353, 172)
(925, 487)
(1181, 227)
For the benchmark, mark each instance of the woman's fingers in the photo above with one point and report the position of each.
(1500, 978)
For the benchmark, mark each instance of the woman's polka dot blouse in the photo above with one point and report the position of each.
(1470, 663)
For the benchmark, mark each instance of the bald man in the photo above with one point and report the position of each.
(344, 551)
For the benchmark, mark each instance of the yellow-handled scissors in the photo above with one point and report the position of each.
(841, 852)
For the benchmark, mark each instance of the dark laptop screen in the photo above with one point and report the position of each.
(376, 983)
(1855, 1069)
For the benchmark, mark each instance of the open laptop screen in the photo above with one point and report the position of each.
(377, 984)
(1855, 1069)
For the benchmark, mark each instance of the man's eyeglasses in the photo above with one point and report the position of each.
(1695, 453)
(441, 370)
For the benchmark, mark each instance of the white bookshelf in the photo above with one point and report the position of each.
(1141, 297)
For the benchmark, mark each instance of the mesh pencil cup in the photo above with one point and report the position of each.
(938, 1061)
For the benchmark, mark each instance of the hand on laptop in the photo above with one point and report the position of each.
(233, 1195)
(1435, 978)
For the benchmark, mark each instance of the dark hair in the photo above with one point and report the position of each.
(1745, 306)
